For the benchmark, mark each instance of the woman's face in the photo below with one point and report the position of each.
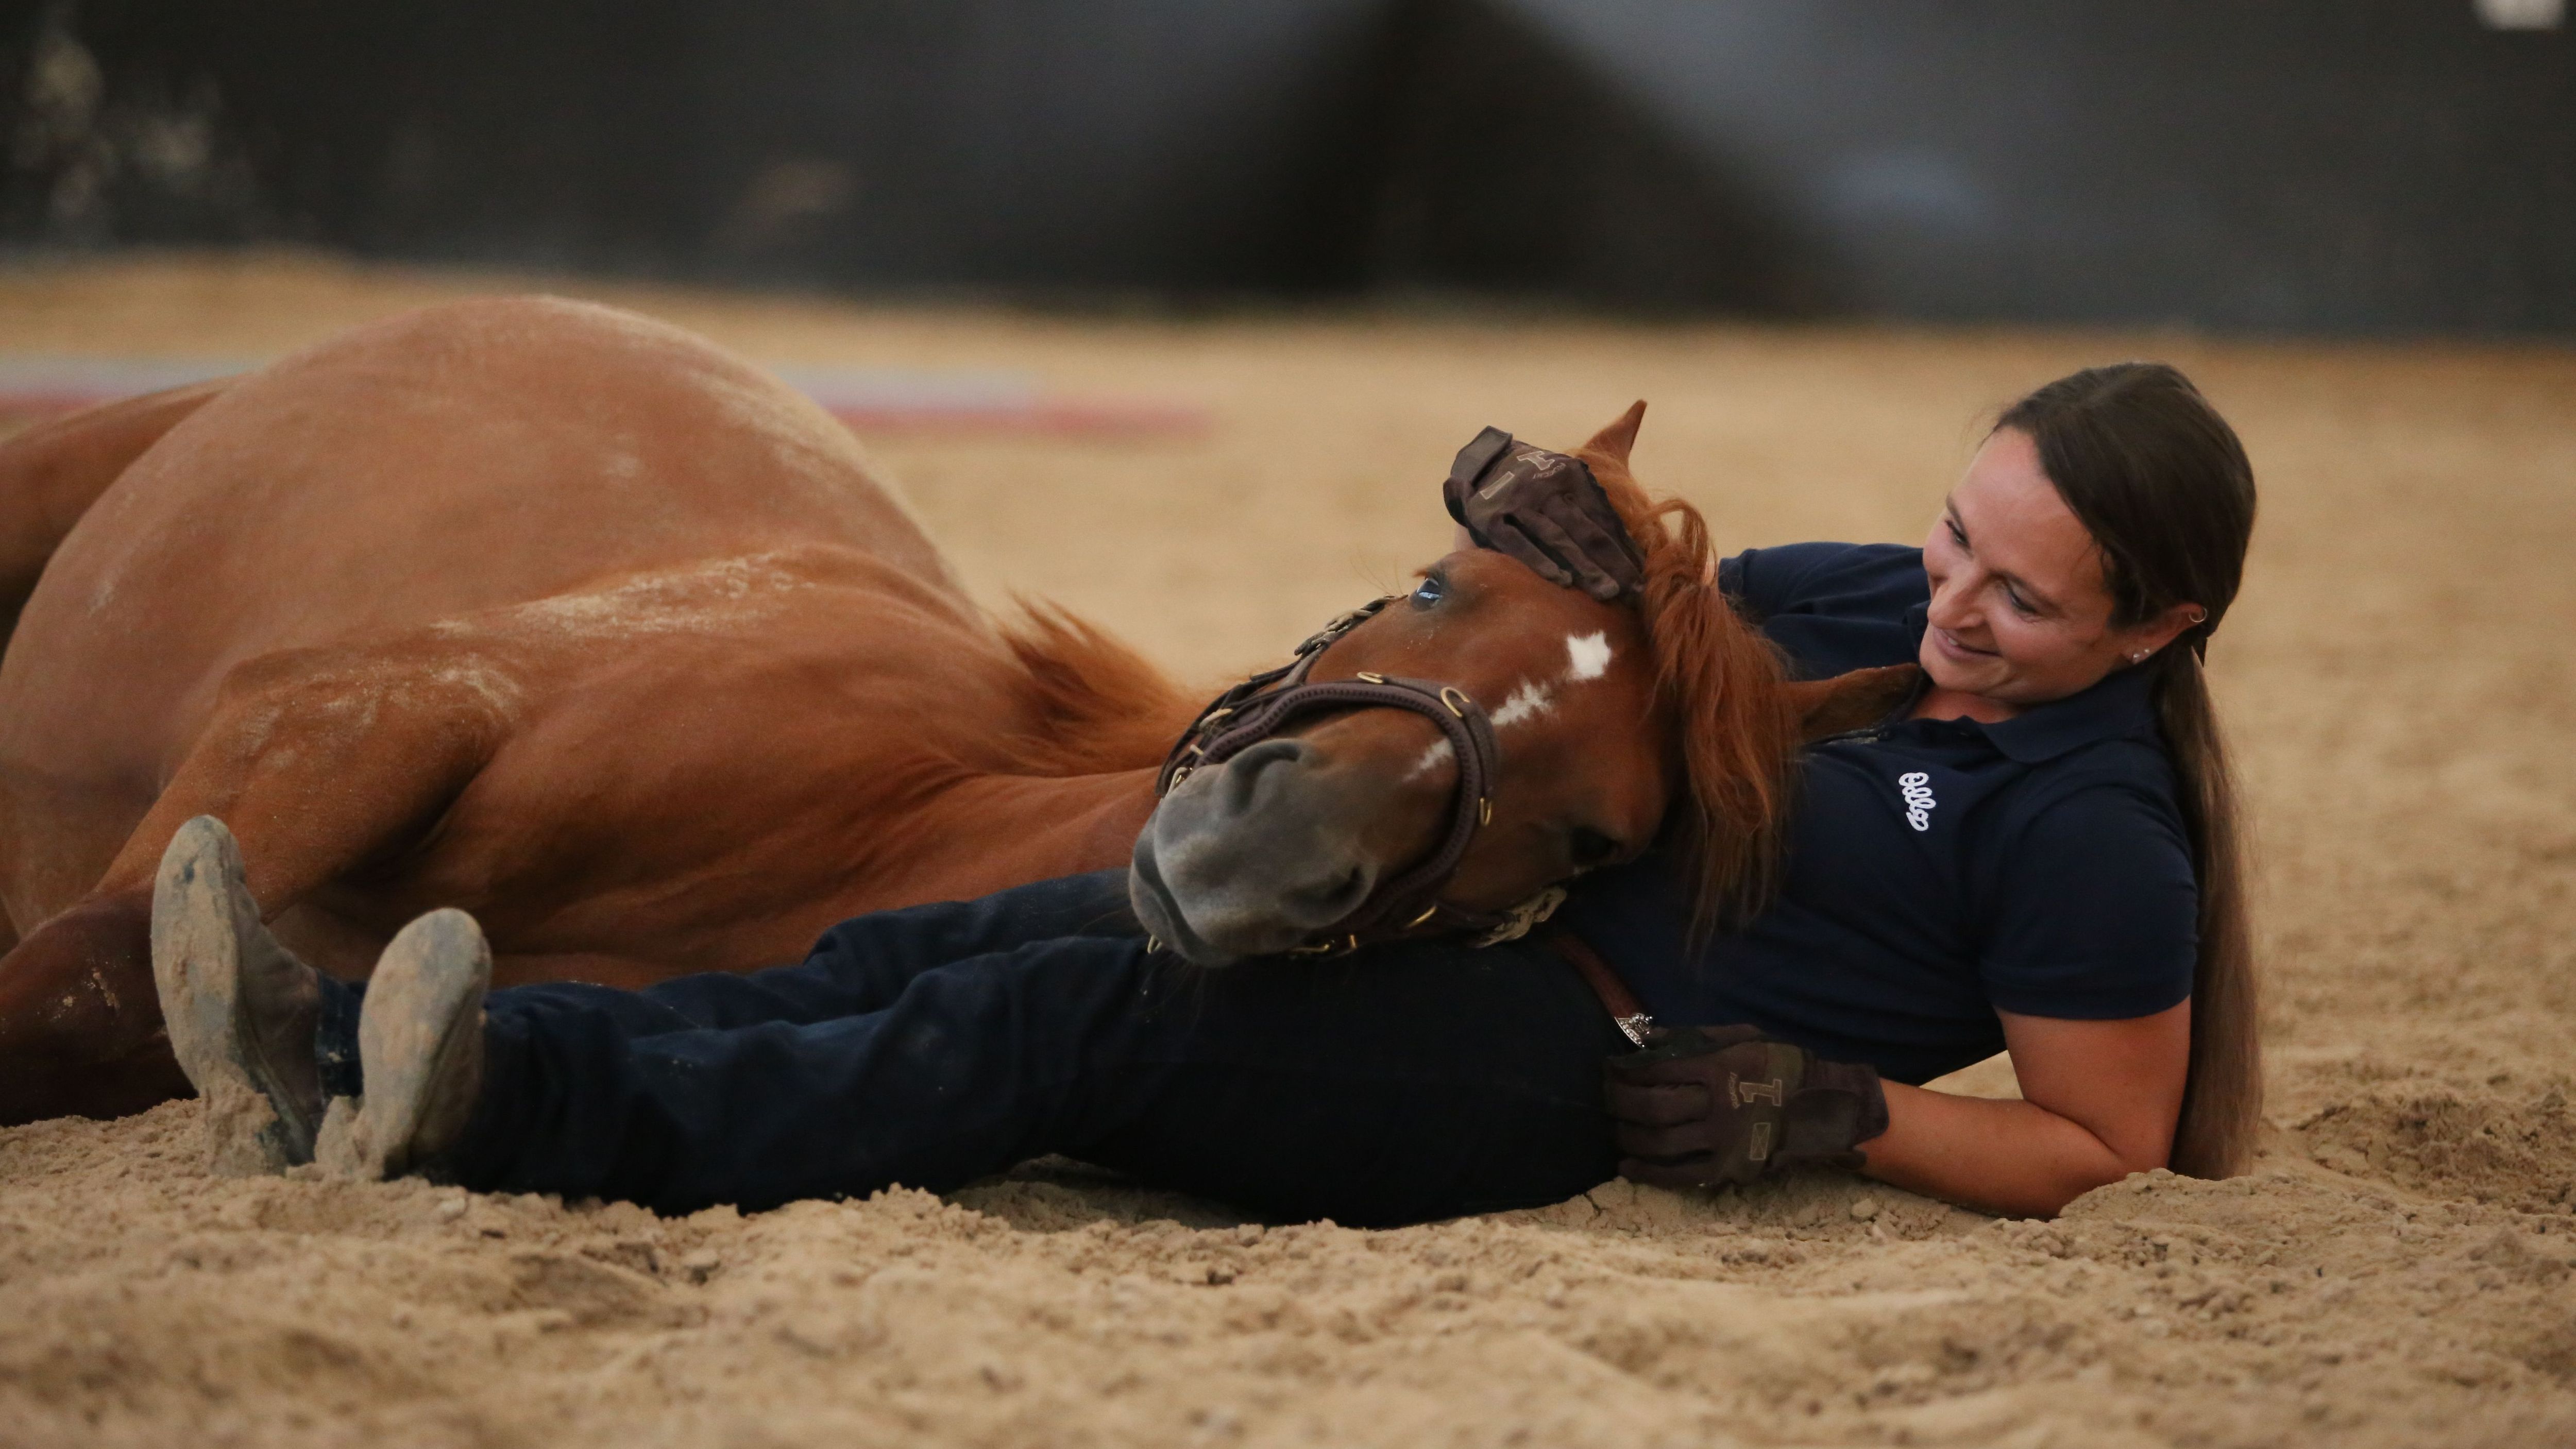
(2020, 612)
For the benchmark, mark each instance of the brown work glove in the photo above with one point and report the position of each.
(1702, 1106)
(1548, 511)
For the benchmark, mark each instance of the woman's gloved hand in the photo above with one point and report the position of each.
(1546, 510)
(1702, 1106)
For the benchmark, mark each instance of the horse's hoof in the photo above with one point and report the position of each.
(240, 1010)
(420, 1046)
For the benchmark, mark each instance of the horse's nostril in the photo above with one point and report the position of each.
(1243, 773)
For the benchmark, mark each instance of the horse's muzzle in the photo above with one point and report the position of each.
(1253, 857)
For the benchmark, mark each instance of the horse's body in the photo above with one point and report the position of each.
(538, 609)
(572, 620)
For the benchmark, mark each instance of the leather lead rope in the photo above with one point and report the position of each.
(1626, 1011)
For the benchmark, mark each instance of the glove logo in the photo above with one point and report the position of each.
(1916, 787)
(1741, 1093)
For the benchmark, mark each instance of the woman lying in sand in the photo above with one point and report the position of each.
(2036, 854)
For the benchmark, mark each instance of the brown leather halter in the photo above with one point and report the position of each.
(1257, 708)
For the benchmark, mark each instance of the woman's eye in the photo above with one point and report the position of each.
(1589, 847)
(1426, 593)
(2020, 606)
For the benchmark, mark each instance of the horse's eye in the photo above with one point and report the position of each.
(1589, 847)
(1426, 593)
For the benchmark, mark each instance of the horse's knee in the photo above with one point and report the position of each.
(321, 759)
(80, 1023)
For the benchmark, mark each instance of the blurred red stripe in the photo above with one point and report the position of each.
(1075, 417)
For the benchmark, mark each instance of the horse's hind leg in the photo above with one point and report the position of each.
(319, 762)
(49, 476)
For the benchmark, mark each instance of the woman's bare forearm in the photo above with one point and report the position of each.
(2004, 1156)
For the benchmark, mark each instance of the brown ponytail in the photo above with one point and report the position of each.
(2222, 1098)
(2164, 486)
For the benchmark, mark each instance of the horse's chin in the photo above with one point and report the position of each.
(1162, 916)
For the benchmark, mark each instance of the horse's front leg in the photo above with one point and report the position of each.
(320, 762)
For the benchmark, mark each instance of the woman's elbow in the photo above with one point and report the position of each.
(2111, 1165)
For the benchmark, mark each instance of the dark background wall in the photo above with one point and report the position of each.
(2344, 165)
(2273, 164)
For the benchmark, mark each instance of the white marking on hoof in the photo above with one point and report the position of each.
(1587, 656)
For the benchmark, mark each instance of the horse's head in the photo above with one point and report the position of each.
(1609, 725)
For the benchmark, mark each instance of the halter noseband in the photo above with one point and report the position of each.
(1257, 708)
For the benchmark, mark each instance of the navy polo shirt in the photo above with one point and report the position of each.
(1938, 870)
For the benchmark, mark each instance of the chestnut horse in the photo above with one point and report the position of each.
(570, 619)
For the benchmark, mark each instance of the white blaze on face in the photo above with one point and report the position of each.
(1433, 758)
(1587, 656)
(1527, 702)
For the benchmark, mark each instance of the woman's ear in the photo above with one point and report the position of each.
(2139, 641)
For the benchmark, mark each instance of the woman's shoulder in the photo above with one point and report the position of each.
(1830, 578)
(2122, 791)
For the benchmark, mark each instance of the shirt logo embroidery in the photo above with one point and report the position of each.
(1916, 786)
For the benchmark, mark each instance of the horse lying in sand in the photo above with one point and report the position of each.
(570, 619)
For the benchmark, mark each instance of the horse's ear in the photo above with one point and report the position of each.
(1614, 441)
(1850, 701)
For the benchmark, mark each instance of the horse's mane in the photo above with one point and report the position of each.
(1093, 705)
(1738, 732)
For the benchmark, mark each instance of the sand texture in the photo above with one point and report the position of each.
(2396, 1270)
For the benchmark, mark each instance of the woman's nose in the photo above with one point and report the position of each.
(1953, 603)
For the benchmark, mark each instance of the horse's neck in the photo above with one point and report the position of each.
(987, 832)
(1069, 789)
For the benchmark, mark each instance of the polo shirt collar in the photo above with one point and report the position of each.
(2122, 706)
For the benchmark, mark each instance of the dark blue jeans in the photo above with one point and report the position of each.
(935, 1045)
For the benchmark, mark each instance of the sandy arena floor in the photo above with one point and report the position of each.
(2394, 1272)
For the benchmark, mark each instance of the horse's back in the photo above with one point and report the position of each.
(451, 460)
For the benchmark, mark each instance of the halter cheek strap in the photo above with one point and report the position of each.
(1262, 705)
